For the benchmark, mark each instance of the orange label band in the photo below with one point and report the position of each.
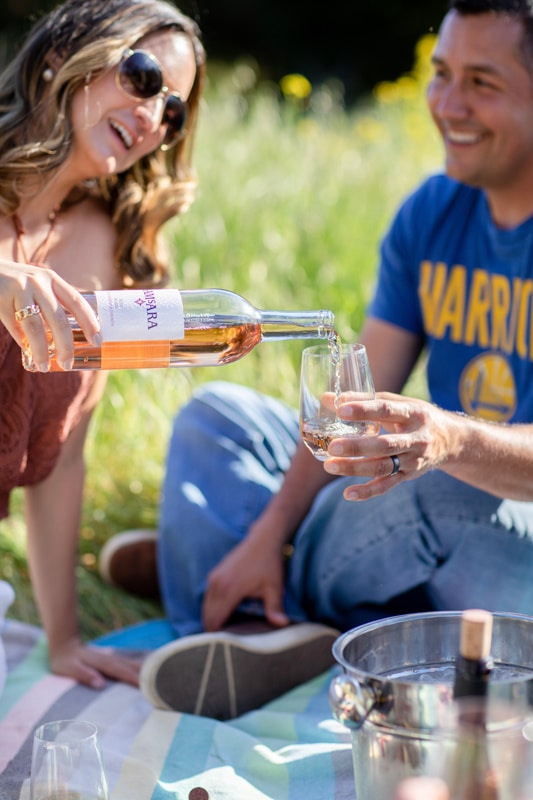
(135, 355)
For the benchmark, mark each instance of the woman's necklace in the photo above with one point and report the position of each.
(38, 257)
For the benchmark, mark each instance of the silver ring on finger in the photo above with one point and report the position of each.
(27, 311)
(395, 466)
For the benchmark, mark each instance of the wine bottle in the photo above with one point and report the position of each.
(143, 328)
(474, 663)
(470, 775)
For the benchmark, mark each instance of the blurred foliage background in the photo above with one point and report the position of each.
(295, 191)
(360, 42)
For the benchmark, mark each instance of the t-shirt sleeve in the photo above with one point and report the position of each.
(396, 294)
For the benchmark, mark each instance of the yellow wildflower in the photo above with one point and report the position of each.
(295, 86)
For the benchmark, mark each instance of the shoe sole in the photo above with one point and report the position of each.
(116, 543)
(222, 675)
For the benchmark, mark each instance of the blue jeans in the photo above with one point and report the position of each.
(434, 543)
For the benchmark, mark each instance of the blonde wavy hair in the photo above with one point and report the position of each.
(88, 37)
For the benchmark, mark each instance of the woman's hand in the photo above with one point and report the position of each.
(417, 438)
(91, 665)
(48, 298)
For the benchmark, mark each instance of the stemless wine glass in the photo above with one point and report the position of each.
(333, 374)
(67, 762)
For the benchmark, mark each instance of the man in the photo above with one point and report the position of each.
(455, 280)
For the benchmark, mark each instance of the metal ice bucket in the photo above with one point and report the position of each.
(396, 693)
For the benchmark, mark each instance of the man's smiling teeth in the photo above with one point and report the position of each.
(123, 133)
(459, 137)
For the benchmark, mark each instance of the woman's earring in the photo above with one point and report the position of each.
(48, 75)
(86, 98)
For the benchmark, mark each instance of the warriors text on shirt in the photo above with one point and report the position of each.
(490, 312)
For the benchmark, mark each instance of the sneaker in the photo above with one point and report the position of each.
(129, 562)
(223, 675)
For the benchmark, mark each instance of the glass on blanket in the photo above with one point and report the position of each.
(333, 374)
(67, 762)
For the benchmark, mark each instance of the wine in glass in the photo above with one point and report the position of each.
(333, 374)
(67, 762)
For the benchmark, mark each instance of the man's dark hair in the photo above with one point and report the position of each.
(520, 7)
(523, 9)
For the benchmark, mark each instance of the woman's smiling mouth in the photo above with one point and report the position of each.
(123, 133)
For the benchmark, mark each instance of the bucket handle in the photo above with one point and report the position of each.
(352, 701)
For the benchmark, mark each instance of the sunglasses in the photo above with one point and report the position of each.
(139, 75)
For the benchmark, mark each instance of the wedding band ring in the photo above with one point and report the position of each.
(27, 311)
(395, 466)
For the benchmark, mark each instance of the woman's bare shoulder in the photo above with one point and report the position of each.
(86, 246)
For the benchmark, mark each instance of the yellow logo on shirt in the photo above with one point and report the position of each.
(486, 310)
(487, 388)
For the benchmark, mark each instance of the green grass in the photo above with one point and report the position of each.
(290, 210)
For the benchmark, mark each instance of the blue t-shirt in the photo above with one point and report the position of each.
(448, 274)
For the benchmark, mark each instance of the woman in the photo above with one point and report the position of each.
(97, 116)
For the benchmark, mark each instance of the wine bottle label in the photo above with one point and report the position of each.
(133, 315)
(135, 355)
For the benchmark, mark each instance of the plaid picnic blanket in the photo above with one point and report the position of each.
(291, 749)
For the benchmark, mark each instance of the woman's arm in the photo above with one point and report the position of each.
(53, 513)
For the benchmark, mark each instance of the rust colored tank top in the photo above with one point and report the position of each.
(37, 413)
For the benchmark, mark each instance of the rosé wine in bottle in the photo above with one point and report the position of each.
(142, 328)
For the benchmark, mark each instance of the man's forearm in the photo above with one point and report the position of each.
(288, 508)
